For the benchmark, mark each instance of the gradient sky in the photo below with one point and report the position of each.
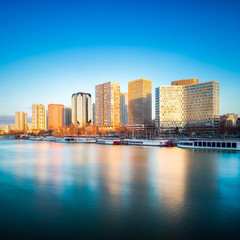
(51, 49)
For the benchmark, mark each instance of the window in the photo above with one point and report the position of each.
(234, 145)
(223, 144)
(204, 144)
(208, 144)
(229, 145)
(213, 144)
(200, 144)
(218, 144)
(195, 144)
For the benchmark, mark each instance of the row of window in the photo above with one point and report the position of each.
(211, 144)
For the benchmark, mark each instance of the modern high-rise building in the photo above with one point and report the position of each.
(21, 121)
(140, 101)
(94, 113)
(81, 109)
(38, 117)
(191, 104)
(55, 116)
(124, 108)
(67, 116)
(107, 104)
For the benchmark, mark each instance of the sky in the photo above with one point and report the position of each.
(52, 49)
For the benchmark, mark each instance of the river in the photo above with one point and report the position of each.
(80, 191)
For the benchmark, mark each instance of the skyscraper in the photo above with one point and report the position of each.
(67, 116)
(81, 108)
(94, 113)
(107, 104)
(140, 101)
(38, 117)
(192, 104)
(124, 108)
(55, 116)
(21, 121)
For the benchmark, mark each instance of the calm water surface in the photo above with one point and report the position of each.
(55, 190)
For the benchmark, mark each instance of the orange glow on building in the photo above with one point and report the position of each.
(185, 82)
(55, 116)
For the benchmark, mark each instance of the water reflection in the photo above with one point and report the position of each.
(124, 187)
(168, 175)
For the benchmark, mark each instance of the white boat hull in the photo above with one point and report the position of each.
(210, 145)
(85, 140)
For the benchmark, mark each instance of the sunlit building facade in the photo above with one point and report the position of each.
(55, 116)
(124, 108)
(21, 121)
(107, 104)
(184, 82)
(38, 117)
(5, 128)
(192, 104)
(169, 107)
(140, 102)
(81, 109)
(231, 119)
(12, 127)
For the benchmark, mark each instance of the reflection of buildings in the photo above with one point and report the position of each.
(169, 169)
(187, 103)
(38, 117)
(140, 102)
(81, 108)
(107, 104)
(55, 116)
(21, 121)
(67, 116)
(124, 108)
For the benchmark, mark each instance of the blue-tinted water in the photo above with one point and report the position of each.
(55, 190)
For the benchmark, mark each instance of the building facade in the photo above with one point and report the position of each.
(94, 113)
(21, 121)
(67, 116)
(107, 104)
(169, 107)
(12, 127)
(124, 108)
(81, 109)
(140, 102)
(38, 117)
(192, 104)
(55, 116)
(229, 119)
(5, 128)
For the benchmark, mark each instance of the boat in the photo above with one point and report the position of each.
(210, 145)
(109, 141)
(66, 140)
(86, 140)
(144, 142)
(35, 138)
(49, 139)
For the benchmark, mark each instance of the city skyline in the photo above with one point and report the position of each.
(51, 57)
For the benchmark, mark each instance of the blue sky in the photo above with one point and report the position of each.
(51, 49)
